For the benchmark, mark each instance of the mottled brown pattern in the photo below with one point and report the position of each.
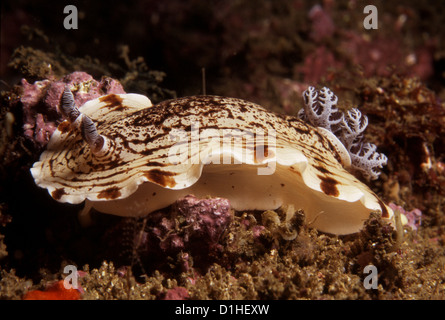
(109, 194)
(163, 178)
(141, 138)
(138, 132)
(64, 127)
(329, 186)
(58, 193)
(144, 142)
(112, 101)
(322, 169)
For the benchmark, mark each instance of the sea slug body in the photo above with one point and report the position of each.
(127, 157)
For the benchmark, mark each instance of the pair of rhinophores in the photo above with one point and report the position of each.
(124, 156)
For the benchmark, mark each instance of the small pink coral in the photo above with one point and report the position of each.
(178, 293)
(193, 225)
(207, 218)
(257, 231)
(414, 216)
(43, 130)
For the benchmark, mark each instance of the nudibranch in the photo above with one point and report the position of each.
(124, 156)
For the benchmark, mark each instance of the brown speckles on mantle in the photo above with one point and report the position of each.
(329, 186)
(109, 194)
(64, 127)
(112, 101)
(138, 162)
(163, 178)
(58, 193)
